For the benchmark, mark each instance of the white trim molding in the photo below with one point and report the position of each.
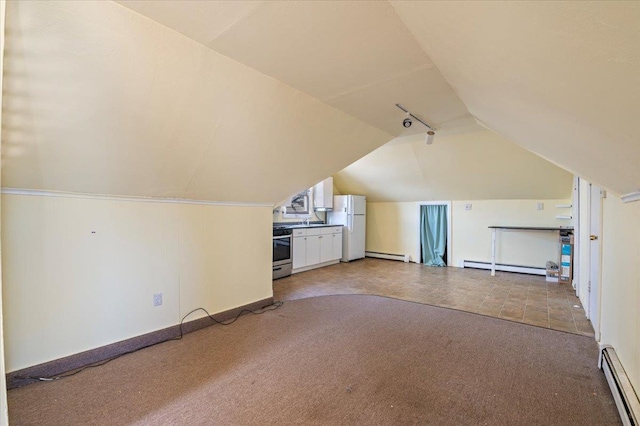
(38, 193)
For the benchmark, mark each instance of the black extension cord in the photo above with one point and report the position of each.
(272, 307)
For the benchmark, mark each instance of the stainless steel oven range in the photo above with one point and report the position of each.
(282, 246)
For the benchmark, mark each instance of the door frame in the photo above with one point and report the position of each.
(449, 227)
(590, 294)
(595, 264)
(575, 202)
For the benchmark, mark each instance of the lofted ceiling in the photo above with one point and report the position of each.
(356, 56)
(99, 99)
(471, 166)
(227, 101)
(561, 79)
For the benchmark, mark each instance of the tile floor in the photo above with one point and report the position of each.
(517, 297)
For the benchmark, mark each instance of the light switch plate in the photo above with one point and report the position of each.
(468, 206)
(540, 206)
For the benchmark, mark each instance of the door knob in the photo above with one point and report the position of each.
(593, 237)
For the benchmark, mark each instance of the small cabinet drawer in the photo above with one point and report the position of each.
(299, 232)
(332, 230)
(313, 231)
(327, 231)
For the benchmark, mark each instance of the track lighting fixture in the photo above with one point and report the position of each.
(429, 139)
(406, 123)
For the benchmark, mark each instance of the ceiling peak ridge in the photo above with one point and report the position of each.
(423, 67)
(241, 18)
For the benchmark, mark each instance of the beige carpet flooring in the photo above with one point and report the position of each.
(339, 360)
(515, 297)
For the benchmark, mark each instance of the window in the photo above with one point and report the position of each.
(298, 205)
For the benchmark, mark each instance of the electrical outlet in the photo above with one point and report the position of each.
(467, 206)
(540, 206)
(157, 299)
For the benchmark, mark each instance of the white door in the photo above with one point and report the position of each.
(595, 227)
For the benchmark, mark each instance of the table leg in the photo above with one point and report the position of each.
(493, 252)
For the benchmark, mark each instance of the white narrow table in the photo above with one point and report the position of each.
(519, 228)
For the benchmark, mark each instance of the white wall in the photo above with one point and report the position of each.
(472, 237)
(4, 411)
(99, 99)
(620, 302)
(80, 273)
(394, 228)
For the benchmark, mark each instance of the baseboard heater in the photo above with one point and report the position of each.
(533, 270)
(623, 393)
(390, 256)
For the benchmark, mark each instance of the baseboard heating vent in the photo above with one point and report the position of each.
(390, 256)
(623, 393)
(533, 270)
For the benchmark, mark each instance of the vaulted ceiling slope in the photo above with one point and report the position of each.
(561, 79)
(228, 101)
(471, 166)
(357, 56)
(99, 99)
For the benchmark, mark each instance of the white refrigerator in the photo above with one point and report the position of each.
(350, 212)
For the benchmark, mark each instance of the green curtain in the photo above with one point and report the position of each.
(433, 234)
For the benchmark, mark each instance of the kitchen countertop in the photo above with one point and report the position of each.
(298, 225)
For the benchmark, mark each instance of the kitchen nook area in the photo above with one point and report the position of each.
(315, 229)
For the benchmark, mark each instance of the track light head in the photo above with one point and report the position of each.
(407, 122)
(430, 135)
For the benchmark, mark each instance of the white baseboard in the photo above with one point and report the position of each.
(389, 256)
(533, 270)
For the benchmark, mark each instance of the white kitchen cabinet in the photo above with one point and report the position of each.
(316, 246)
(323, 195)
(336, 242)
(326, 248)
(313, 249)
(299, 250)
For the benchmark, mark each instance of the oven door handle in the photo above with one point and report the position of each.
(282, 237)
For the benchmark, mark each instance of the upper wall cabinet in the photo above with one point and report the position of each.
(323, 195)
